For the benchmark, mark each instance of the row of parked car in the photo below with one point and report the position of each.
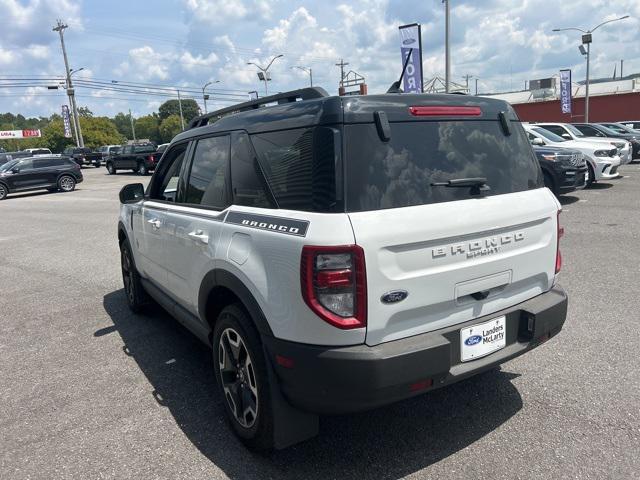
(573, 156)
(39, 168)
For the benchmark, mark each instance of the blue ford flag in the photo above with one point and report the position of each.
(565, 91)
(410, 38)
(66, 121)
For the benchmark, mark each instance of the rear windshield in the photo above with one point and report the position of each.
(144, 149)
(400, 172)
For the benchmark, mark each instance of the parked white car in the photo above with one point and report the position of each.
(602, 158)
(570, 132)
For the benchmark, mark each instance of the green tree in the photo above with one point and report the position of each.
(123, 124)
(53, 136)
(98, 131)
(148, 127)
(169, 128)
(85, 112)
(190, 109)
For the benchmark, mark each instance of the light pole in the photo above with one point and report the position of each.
(447, 61)
(586, 39)
(308, 70)
(263, 74)
(60, 27)
(204, 96)
(180, 108)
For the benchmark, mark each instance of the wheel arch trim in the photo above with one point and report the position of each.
(223, 278)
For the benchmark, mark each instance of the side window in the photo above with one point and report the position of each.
(25, 165)
(168, 182)
(300, 166)
(558, 130)
(248, 186)
(47, 162)
(207, 183)
(589, 131)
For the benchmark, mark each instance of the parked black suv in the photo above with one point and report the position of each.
(564, 170)
(38, 173)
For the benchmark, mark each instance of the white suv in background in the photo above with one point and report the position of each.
(342, 253)
(570, 132)
(601, 157)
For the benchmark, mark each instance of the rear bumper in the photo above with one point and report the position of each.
(335, 380)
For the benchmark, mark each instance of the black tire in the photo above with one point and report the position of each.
(66, 183)
(242, 377)
(136, 296)
(142, 169)
(549, 183)
(4, 191)
(97, 164)
(111, 169)
(590, 175)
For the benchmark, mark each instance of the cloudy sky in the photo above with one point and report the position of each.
(185, 43)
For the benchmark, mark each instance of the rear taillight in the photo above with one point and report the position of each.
(558, 253)
(151, 158)
(333, 281)
(445, 111)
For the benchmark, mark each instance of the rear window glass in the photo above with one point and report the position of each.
(400, 172)
(300, 167)
(144, 149)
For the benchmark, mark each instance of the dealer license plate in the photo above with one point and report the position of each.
(482, 339)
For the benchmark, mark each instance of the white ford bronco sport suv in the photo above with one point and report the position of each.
(343, 253)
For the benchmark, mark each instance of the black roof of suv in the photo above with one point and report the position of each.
(287, 111)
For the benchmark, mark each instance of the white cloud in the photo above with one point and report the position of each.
(145, 63)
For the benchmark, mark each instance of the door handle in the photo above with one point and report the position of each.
(155, 223)
(199, 236)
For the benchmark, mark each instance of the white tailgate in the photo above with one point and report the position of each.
(442, 254)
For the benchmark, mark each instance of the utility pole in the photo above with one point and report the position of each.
(180, 107)
(467, 77)
(70, 91)
(133, 128)
(621, 65)
(586, 91)
(447, 61)
(476, 87)
(308, 70)
(342, 64)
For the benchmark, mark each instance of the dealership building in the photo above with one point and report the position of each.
(609, 100)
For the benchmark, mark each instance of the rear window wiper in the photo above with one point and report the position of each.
(477, 185)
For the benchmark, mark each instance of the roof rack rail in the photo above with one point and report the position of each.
(309, 93)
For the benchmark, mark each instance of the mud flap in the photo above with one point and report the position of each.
(290, 425)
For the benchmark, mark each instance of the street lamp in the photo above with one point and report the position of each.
(586, 40)
(263, 74)
(72, 71)
(308, 70)
(204, 96)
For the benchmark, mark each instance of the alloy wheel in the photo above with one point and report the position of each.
(67, 184)
(238, 378)
(3, 192)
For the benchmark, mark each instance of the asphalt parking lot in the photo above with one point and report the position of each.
(89, 390)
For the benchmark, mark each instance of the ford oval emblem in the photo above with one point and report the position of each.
(408, 41)
(394, 297)
(473, 340)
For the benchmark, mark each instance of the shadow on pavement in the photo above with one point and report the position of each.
(567, 199)
(390, 442)
(600, 186)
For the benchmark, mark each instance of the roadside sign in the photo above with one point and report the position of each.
(565, 91)
(6, 134)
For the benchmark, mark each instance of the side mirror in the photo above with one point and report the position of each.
(566, 135)
(537, 141)
(15, 170)
(132, 193)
